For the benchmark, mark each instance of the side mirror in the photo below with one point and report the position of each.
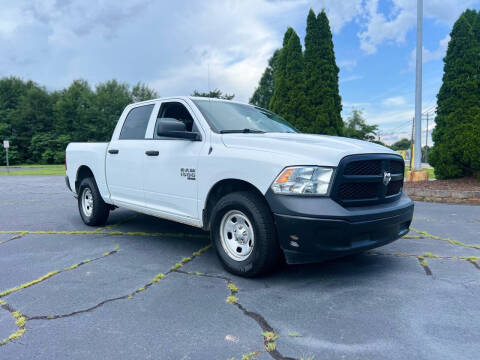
(172, 128)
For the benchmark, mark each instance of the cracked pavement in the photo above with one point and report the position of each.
(146, 288)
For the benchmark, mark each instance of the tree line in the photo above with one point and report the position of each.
(40, 124)
(456, 136)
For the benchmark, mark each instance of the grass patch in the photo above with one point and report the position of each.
(19, 170)
(431, 172)
(232, 299)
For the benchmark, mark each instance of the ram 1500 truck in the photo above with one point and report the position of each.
(264, 191)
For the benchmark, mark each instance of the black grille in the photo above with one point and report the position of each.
(357, 191)
(365, 167)
(359, 179)
(396, 167)
(394, 187)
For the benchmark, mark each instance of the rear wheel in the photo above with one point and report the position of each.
(244, 234)
(93, 210)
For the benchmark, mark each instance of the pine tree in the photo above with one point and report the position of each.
(288, 98)
(456, 137)
(323, 99)
(263, 93)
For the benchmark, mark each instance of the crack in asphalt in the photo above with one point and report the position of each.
(267, 330)
(21, 319)
(13, 238)
(130, 295)
(425, 234)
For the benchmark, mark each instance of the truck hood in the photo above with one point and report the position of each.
(304, 149)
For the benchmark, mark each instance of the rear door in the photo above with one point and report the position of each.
(171, 174)
(125, 157)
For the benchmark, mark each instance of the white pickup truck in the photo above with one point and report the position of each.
(265, 191)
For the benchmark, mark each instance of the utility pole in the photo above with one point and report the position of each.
(426, 142)
(412, 146)
(418, 89)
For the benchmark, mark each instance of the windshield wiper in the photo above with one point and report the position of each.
(243, 131)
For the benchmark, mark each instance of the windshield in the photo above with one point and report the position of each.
(225, 117)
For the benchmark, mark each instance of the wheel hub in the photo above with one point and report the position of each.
(236, 235)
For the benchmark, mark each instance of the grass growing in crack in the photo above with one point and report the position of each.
(251, 355)
(176, 266)
(158, 277)
(422, 260)
(232, 299)
(453, 242)
(20, 321)
(28, 284)
(269, 338)
(294, 334)
(233, 288)
(270, 346)
(430, 255)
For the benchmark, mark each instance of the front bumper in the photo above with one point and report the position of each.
(316, 229)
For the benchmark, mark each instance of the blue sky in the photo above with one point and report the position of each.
(170, 45)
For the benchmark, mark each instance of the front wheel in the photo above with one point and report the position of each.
(244, 234)
(93, 210)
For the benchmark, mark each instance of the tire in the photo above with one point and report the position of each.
(96, 211)
(235, 218)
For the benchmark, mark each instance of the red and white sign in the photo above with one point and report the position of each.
(6, 144)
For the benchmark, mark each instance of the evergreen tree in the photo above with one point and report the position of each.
(456, 150)
(323, 99)
(288, 98)
(263, 93)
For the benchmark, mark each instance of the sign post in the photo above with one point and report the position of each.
(6, 145)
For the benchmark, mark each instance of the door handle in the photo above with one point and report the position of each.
(152, 153)
(113, 151)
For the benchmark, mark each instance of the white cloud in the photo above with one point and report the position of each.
(339, 12)
(394, 101)
(347, 64)
(350, 78)
(380, 27)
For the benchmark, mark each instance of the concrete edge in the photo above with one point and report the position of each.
(444, 196)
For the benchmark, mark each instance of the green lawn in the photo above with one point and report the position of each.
(27, 169)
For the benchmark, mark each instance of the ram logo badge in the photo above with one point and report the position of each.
(386, 178)
(188, 173)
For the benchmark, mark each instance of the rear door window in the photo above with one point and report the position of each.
(135, 124)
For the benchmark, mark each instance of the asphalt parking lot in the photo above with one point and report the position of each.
(145, 288)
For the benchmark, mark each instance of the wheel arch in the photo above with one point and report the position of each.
(83, 172)
(221, 188)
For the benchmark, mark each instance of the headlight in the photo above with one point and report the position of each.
(303, 180)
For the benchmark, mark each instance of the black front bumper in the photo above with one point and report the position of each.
(315, 229)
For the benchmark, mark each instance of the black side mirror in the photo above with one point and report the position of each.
(172, 128)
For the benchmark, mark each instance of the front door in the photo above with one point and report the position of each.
(170, 181)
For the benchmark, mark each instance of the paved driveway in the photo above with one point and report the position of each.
(144, 288)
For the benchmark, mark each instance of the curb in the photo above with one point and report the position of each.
(471, 197)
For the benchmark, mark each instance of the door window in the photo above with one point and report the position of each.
(177, 111)
(136, 123)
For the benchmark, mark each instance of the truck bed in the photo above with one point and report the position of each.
(88, 154)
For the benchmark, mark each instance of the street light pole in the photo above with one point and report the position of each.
(418, 89)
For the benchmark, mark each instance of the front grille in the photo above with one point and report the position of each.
(355, 191)
(396, 167)
(364, 167)
(360, 179)
(394, 187)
